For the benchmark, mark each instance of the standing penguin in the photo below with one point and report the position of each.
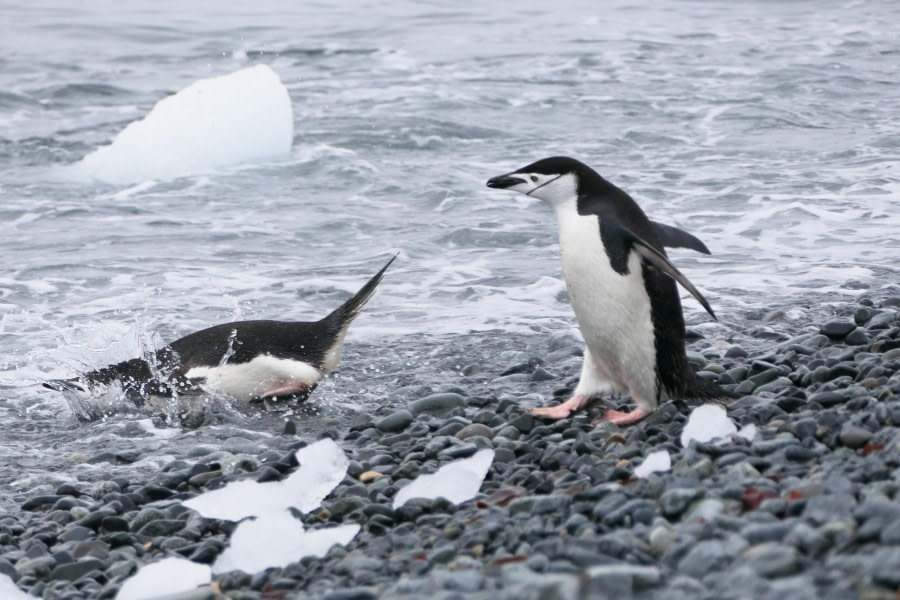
(622, 288)
(250, 361)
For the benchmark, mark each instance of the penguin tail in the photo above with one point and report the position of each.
(66, 385)
(712, 393)
(341, 317)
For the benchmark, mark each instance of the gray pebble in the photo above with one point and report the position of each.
(703, 558)
(394, 422)
(774, 560)
(475, 429)
(436, 403)
(855, 437)
(75, 570)
(675, 501)
(458, 451)
(837, 330)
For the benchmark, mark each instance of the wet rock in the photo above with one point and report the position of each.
(394, 422)
(854, 437)
(458, 451)
(540, 374)
(829, 399)
(675, 501)
(475, 429)
(830, 507)
(885, 567)
(520, 583)
(857, 337)
(437, 403)
(75, 570)
(524, 423)
(759, 533)
(622, 578)
(703, 558)
(837, 330)
(356, 593)
(102, 488)
(161, 527)
(39, 568)
(736, 352)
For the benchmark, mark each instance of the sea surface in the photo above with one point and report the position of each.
(771, 130)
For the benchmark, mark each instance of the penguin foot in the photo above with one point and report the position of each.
(623, 418)
(561, 411)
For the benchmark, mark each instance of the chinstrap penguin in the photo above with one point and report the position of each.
(250, 361)
(622, 288)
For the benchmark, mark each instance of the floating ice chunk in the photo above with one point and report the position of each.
(10, 591)
(706, 423)
(457, 482)
(168, 576)
(217, 122)
(656, 462)
(276, 540)
(323, 466)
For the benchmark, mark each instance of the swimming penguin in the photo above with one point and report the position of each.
(250, 361)
(622, 288)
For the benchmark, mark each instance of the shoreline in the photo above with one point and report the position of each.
(808, 509)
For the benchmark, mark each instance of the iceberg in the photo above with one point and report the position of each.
(277, 540)
(168, 576)
(457, 481)
(243, 117)
(323, 466)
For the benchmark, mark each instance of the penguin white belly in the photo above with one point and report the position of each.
(261, 377)
(613, 310)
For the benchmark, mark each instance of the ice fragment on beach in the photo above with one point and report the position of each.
(656, 462)
(706, 423)
(748, 432)
(323, 466)
(10, 591)
(239, 118)
(277, 540)
(168, 576)
(457, 482)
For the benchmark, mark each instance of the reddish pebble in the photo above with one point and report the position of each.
(753, 497)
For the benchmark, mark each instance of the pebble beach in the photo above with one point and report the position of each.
(807, 509)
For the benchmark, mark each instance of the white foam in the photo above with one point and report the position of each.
(276, 540)
(656, 462)
(167, 433)
(168, 576)
(242, 117)
(322, 467)
(706, 423)
(457, 482)
(10, 591)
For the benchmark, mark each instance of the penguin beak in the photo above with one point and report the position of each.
(502, 182)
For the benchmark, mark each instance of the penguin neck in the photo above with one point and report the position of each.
(566, 208)
(596, 196)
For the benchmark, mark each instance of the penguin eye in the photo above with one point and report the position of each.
(534, 178)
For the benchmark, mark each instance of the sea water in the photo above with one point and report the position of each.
(770, 130)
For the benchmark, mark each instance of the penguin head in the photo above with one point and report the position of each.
(554, 180)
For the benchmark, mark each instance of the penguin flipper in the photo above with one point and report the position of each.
(617, 238)
(672, 237)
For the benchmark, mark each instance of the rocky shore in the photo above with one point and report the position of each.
(808, 509)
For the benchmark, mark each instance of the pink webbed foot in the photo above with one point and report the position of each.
(623, 418)
(287, 390)
(561, 411)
